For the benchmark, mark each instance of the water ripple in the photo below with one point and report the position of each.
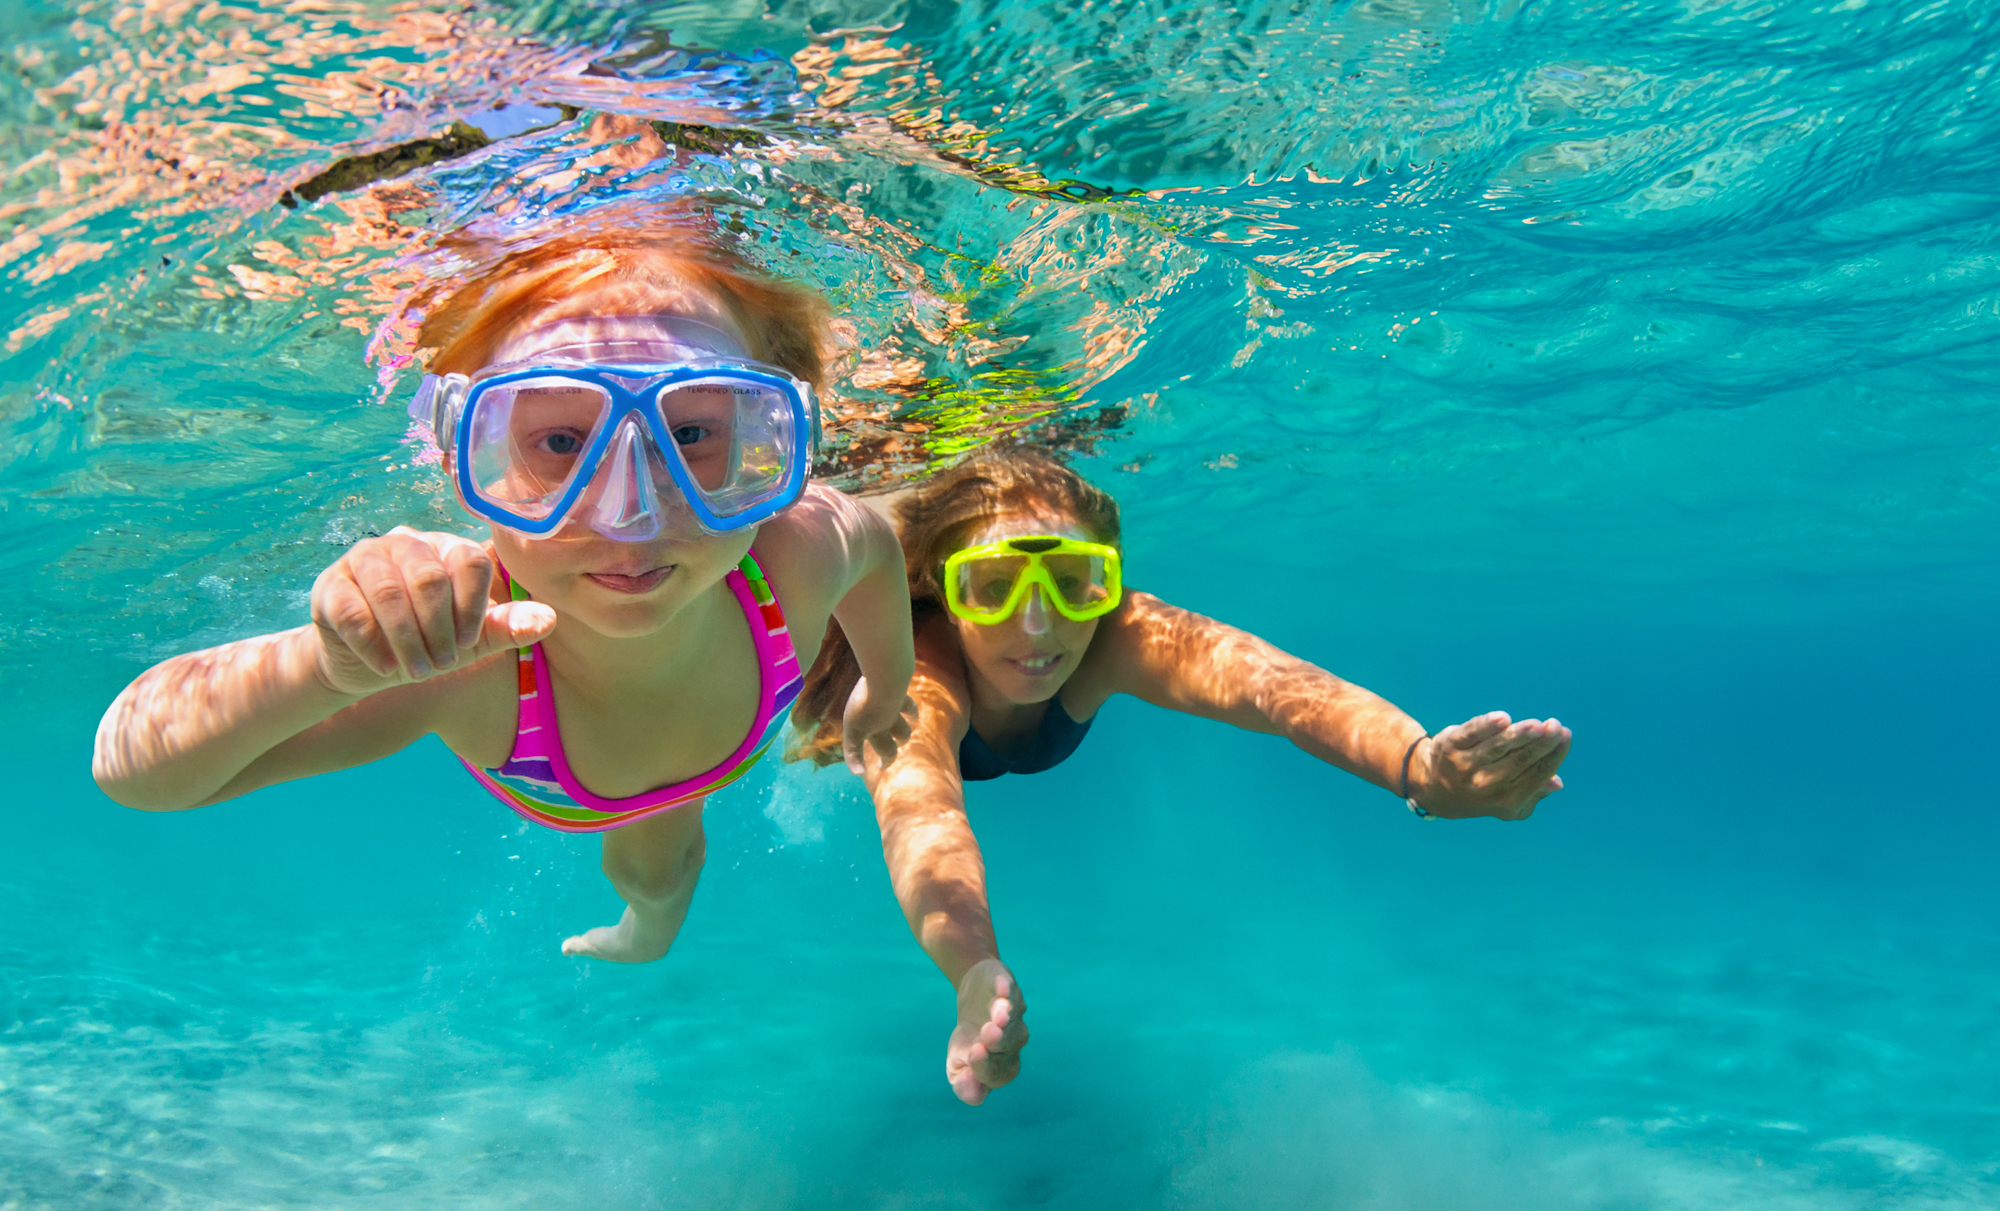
(1421, 239)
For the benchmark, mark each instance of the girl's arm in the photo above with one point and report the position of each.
(831, 540)
(210, 725)
(875, 615)
(1487, 766)
(940, 879)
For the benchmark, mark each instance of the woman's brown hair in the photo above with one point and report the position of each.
(782, 323)
(936, 519)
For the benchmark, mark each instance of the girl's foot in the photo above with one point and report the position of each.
(634, 939)
(985, 1049)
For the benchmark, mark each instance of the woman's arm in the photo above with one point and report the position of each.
(1488, 766)
(934, 863)
(1183, 661)
(940, 879)
(214, 724)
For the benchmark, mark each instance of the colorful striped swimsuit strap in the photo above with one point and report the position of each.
(537, 781)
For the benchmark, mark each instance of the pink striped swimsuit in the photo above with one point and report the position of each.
(536, 780)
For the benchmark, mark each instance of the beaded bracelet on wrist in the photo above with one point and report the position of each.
(1407, 800)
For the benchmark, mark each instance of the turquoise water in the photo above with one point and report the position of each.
(1629, 363)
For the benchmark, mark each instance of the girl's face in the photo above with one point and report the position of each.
(1029, 655)
(622, 590)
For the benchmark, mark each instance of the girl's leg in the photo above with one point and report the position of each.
(653, 864)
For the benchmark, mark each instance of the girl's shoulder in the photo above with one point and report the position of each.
(823, 510)
(811, 552)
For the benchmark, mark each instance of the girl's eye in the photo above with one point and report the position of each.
(688, 435)
(1067, 586)
(992, 592)
(564, 444)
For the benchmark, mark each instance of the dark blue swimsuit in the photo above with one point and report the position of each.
(1056, 739)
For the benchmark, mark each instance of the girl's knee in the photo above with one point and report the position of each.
(655, 867)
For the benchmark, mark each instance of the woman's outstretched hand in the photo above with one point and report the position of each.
(409, 605)
(1489, 766)
(872, 721)
(984, 1052)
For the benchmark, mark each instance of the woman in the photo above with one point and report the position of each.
(1023, 630)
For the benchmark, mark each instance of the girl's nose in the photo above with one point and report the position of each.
(626, 504)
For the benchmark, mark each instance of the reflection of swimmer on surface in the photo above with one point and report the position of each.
(634, 417)
(1024, 630)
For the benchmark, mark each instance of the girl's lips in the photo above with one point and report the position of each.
(643, 582)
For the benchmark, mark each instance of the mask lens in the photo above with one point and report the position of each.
(737, 438)
(1079, 578)
(527, 439)
(984, 584)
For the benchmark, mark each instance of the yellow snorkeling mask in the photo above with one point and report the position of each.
(987, 584)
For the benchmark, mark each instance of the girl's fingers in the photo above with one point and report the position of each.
(402, 605)
(858, 735)
(382, 580)
(510, 625)
(389, 602)
(887, 742)
(428, 583)
(340, 606)
(471, 573)
(427, 595)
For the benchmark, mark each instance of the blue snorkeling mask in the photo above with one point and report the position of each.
(637, 425)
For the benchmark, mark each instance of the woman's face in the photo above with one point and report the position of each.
(1029, 655)
(618, 588)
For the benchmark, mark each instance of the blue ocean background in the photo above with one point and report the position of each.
(1629, 363)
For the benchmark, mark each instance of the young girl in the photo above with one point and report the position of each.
(634, 417)
(1024, 630)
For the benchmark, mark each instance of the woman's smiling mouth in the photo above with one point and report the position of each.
(1034, 666)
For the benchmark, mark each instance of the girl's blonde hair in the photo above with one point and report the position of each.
(782, 323)
(936, 519)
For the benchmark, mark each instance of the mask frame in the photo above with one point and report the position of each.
(447, 404)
